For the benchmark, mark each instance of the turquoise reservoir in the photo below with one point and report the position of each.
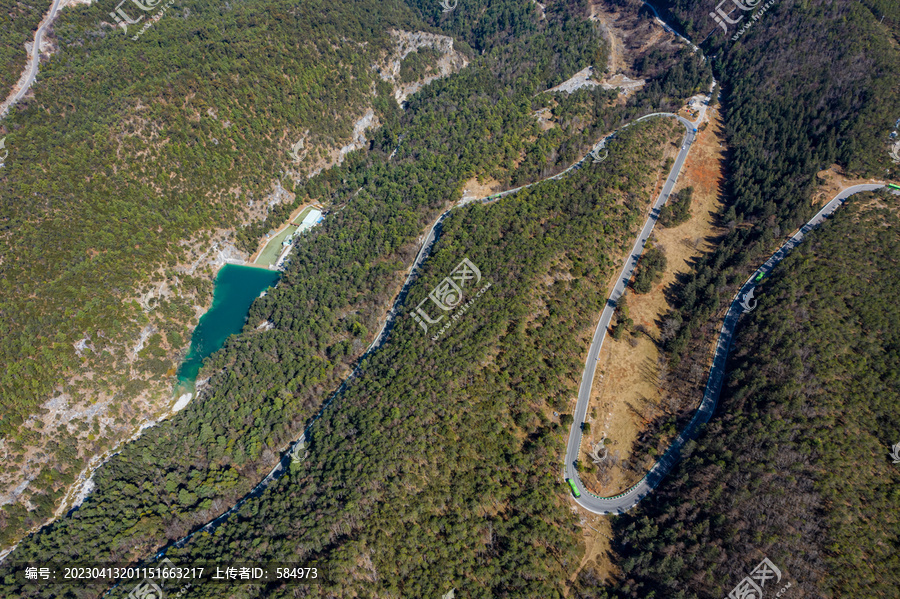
(236, 288)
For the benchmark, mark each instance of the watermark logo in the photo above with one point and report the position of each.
(724, 19)
(895, 152)
(595, 455)
(145, 6)
(895, 453)
(745, 301)
(123, 20)
(752, 586)
(595, 154)
(295, 150)
(299, 453)
(721, 17)
(448, 292)
(448, 295)
(445, 4)
(148, 589)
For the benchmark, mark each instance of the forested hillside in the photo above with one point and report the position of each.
(786, 119)
(18, 22)
(211, 453)
(795, 466)
(129, 155)
(438, 467)
(129, 148)
(342, 278)
(775, 476)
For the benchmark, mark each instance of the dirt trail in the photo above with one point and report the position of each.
(631, 33)
(616, 61)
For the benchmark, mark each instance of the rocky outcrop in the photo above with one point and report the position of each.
(405, 42)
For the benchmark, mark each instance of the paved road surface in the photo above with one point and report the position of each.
(295, 448)
(629, 498)
(435, 230)
(32, 68)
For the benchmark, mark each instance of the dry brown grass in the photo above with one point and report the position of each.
(475, 188)
(830, 182)
(627, 393)
(597, 536)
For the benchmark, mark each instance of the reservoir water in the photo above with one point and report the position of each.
(236, 288)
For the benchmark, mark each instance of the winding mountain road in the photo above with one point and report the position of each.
(434, 231)
(433, 234)
(283, 464)
(629, 498)
(31, 70)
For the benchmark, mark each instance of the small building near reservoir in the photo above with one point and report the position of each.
(310, 220)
